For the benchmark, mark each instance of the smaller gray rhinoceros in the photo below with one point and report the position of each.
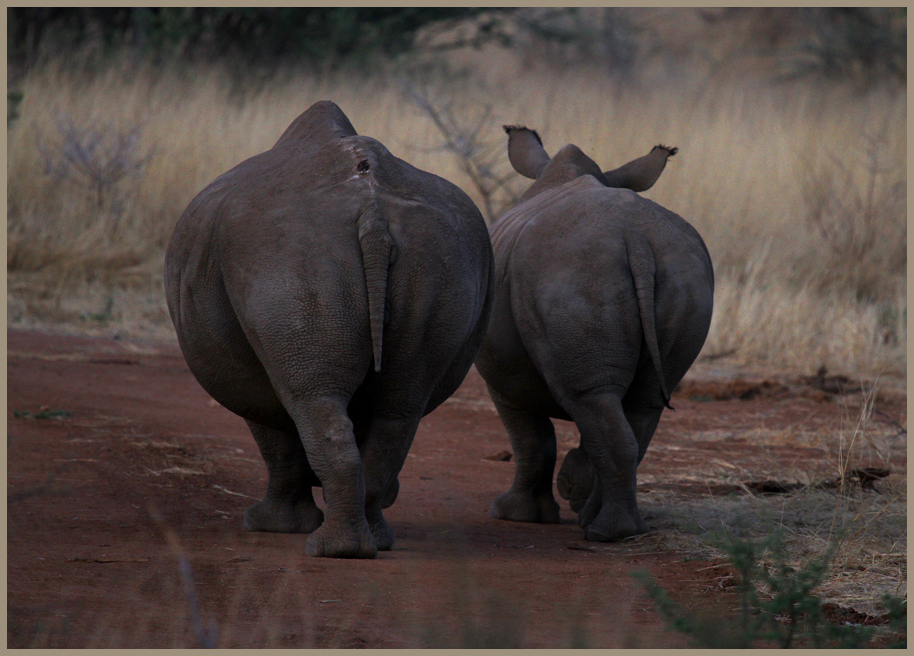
(603, 301)
(284, 278)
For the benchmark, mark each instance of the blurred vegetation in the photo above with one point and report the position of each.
(778, 604)
(257, 36)
(865, 44)
(857, 42)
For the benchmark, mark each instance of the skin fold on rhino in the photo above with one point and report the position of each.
(330, 294)
(603, 301)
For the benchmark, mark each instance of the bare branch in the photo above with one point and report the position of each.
(479, 157)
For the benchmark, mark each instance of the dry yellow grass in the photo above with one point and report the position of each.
(869, 530)
(754, 161)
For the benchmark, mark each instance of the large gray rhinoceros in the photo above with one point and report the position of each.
(284, 278)
(603, 302)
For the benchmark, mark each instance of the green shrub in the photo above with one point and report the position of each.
(777, 603)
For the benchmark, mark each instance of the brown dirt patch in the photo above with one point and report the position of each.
(104, 433)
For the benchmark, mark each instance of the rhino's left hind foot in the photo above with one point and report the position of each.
(525, 507)
(277, 517)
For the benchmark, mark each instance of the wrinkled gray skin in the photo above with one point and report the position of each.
(603, 302)
(287, 275)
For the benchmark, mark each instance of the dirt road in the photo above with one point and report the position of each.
(121, 468)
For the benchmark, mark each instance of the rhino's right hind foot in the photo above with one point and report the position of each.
(524, 507)
(338, 542)
(610, 522)
(383, 534)
(612, 527)
(277, 517)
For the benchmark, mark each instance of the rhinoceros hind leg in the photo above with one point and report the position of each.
(274, 517)
(519, 507)
(530, 498)
(288, 506)
(329, 441)
(643, 421)
(383, 533)
(338, 541)
(611, 512)
(575, 479)
(383, 454)
(391, 495)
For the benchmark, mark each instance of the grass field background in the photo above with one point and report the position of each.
(798, 188)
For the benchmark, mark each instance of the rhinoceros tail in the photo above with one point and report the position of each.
(643, 265)
(377, 254)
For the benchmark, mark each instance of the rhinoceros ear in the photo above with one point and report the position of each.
(526, 152)
(641, 174)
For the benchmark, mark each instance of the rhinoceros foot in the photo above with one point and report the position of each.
(614, 523)
(342, 541)
(276, 517)
(525, 507)
(383, 534)
(575, 479)
(391, 495)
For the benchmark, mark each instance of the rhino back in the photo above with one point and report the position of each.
(441, 279)
(209, 333)
(566, 287)
(580, 222)
(288, 220)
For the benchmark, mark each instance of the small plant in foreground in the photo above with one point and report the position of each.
(777, 605)
(898, 618)
(206, 634)
(485, 622)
